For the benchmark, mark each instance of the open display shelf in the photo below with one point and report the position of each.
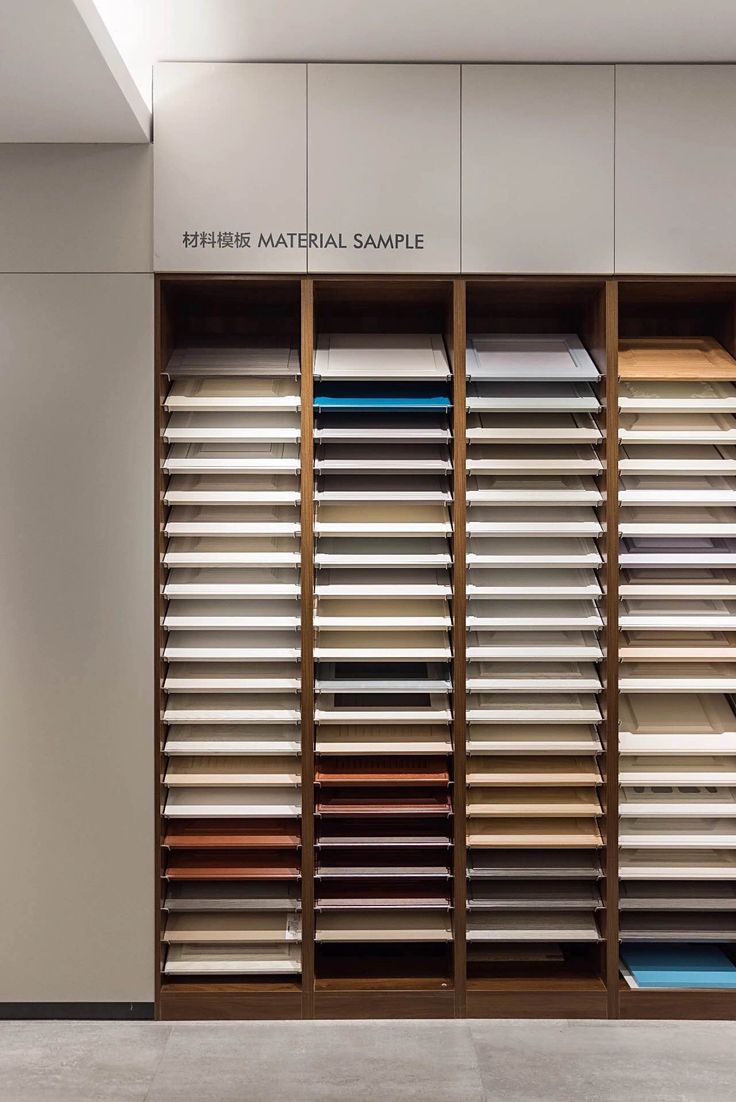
(446, 615)
(535, 708)
(677, 719)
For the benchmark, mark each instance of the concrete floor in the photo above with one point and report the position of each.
(427, 1061)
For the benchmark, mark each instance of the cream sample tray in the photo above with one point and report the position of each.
(267, 357)
(658, 520)
(356, 487)
(198, 489)
(693, 614)
(524, 585)
(664, 927)
(522, 553)
(376, 614)
(686, 396)
(680, 428)
(682, 583)
(262, 645)
(677, 801)
(234, 739)
(209, 615)
(532, 739)
(224, 583)
(555, 646)
(233, 802)
(514, 395)
(677, 833)
(383, 739)
(695, 677)
(234, 393)
(515, 615)
(382, 551)
(543, 459)
(563, 520)
(234, 896)
(383, 582)
(684, 491)
(550, 677)
(530, 769)
(370, 519)
(226, 520)
(232, 928)
(706, 769)
(212, 551)
(232, 959)
(677, 459)
(677, 864)
(667, 645)
(545, 833)
(540, 428)
(532, 926)
(402, 645)
(208, 708)
(685, 724)
(381, 427)
(534, 708)
(532, 490)
(399, 925)
(231, 428)
(225, 770)
(392, 456)
(664, 550)
(541, 801)
(201, 677)
(219, 458)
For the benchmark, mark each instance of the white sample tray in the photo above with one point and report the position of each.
(537, 357)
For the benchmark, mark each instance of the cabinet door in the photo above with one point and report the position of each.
(384, 163)
(537, 168)
(675, 164)
(230, 163)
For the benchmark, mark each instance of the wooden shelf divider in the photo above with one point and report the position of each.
(611, 635)
(459, 664)
(307, 633)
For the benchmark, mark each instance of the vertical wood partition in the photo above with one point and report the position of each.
(306, 483)
(611, 663)
(159, 361)
(459, 665)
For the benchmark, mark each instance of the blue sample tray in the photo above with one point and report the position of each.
(382, 396)
(677, 965)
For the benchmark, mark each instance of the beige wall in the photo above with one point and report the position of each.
(75, 208)
(76, 587)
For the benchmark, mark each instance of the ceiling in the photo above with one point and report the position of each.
(62, 78)
(445, 30)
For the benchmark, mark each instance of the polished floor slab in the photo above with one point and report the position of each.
(368, 1061)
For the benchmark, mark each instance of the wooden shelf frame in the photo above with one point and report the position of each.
(687, 304)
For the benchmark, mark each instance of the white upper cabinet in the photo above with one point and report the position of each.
(675, 165)
(537, 168)
(384, 168)
(230, 163)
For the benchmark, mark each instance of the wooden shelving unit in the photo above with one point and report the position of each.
(391, 631)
